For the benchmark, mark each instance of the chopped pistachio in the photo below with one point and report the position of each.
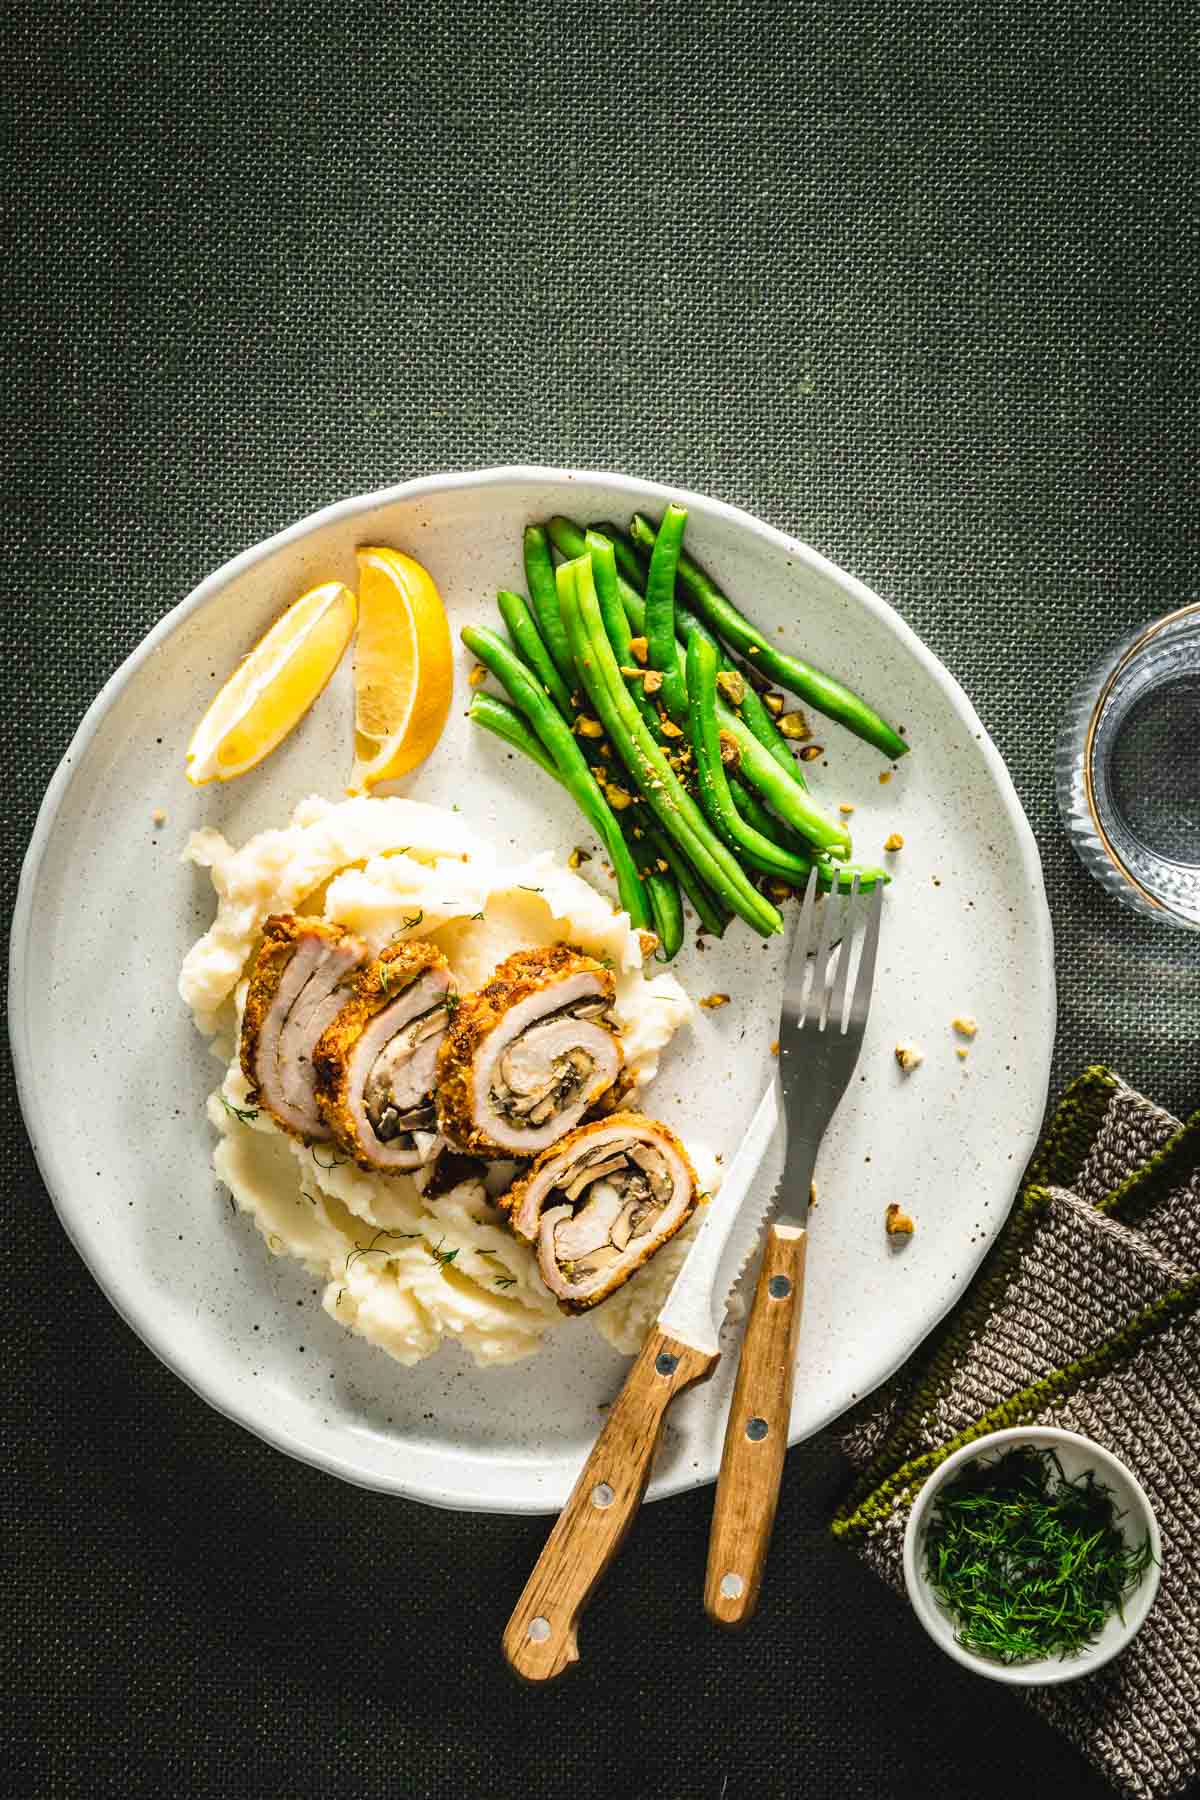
(732, 685)
(478, 674)
(779, 890)
(617, 796)
(651, 681)
(158, 816)
(845, 809)
(577, 856)
(884, 777)
(960, 1050)
(910, 1057)
(811, 752)
(648, 941)
(774, 702)
(640, 649)
(898, 1223)
(588, 727)
(731, 750)
(794, 725)
(775, 1048)
(894, 842)
(965, 1026)
(670, 729)
(711, 1002)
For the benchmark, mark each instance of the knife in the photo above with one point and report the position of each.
(540, 1640)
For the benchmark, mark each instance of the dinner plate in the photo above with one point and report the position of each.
(113, 1077)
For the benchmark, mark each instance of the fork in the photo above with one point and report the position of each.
(819, 1042)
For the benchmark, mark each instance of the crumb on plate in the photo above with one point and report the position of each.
(894, 842)
(909, 1056)
(965, 1026)
(898, 1223)
(710, 1002)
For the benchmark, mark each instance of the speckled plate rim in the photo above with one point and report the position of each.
(142, 1320)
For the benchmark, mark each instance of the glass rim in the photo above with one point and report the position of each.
(1133, 649)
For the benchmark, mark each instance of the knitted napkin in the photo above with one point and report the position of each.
(1085, 1314)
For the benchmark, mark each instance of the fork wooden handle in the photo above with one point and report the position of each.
(540, 1639)
(756, 1434)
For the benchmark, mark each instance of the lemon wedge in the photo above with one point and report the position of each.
(403, 667)
(273, 687)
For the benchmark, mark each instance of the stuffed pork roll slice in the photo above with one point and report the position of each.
(302, 977)
(597, 1205)
(528, 1053)
(375, 1063)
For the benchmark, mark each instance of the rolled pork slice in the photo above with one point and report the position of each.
(597, 1205)
(528, 1054)
(375, 1063)
(302, 977)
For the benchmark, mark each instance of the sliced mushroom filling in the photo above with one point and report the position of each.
(545, 1067)
(398, 1091)
(612, 1199)
(600, 1203)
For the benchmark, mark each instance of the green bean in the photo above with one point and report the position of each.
(712, 915)
(539, 578)
(530, 647)
(667, 908)
(570, 542)
(504, 721)
(673, 806)
(616, 626)
(756, 814)
(661, 651)
(628, 561)
(577, 778)
(750, 844)
(824, 692)
(750, 706)
(794, 805)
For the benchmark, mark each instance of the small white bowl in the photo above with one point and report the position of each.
(1076, 1454)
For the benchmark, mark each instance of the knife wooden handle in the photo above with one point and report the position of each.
(756, 1434)
(540, 1638)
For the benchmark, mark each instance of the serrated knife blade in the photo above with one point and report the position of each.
(695, 1307)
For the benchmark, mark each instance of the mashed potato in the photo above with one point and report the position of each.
(402, 1271)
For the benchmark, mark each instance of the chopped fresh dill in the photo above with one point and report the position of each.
(245, 1115)
(477, 915)
(440, 1256)
(375, 1246)
(414, 921)
(1028, 1563)
(530, 890)
(506, 1281)
(487, 1253)
(453, 1002)
(336, 1163)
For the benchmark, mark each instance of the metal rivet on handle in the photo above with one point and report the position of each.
(665, 1363)
(539, 1630)
(602, 1494)
(756, 1430)
(731, 1586)
(779, 1287)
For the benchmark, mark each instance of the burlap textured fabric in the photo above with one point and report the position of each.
(1080, 1318)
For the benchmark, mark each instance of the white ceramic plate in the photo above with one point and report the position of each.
(113, 1077)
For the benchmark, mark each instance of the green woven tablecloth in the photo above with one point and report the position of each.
(913, 282)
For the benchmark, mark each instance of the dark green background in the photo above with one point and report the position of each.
(916, 283)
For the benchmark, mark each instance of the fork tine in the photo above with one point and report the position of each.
(804, 928)
(837, 1006)
(861, 1002)
(819, 994)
